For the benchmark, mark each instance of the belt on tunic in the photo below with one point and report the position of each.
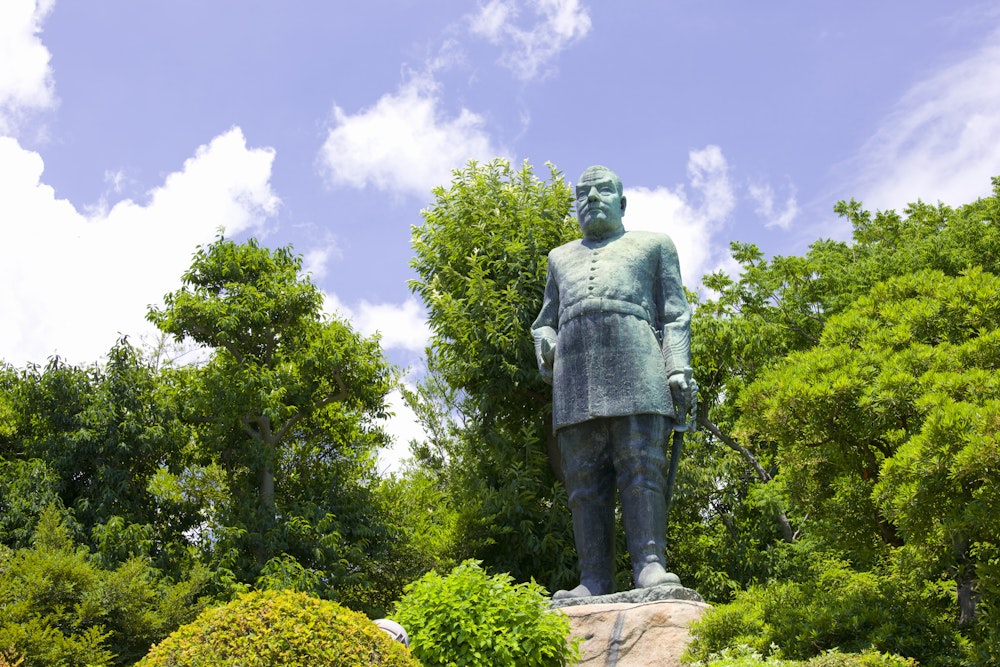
(603, 305)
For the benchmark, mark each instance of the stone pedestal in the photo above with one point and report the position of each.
(639, 628)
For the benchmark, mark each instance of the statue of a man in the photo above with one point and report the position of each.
(613, 339)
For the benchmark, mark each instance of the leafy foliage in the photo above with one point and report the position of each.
(856, 384)
(743, 656)
(285, 409)
(418, 510)
(278, 629)
(58, 606)
(834, 607)
(774, 308)
(887, 428)
(93, 437)
(10, 658)
(480, 257)
(473, 619)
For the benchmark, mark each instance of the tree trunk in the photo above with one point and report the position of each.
(965, 581)
(265, 514)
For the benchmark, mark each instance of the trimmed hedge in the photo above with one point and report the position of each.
(279, 629)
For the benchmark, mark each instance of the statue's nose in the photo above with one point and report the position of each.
(593, 195)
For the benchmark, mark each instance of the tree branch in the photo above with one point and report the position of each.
(786, 528)
(762, 474)
(335, 397)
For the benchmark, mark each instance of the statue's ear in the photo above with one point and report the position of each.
(623, 200)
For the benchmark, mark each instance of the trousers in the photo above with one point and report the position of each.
(601, 455)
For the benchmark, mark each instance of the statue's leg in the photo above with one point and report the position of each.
(586, 460)
(640, 462)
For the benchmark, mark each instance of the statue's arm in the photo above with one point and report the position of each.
(675, 313)
(544, 329)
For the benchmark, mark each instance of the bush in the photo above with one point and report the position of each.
(744, 656)
(279, 629)
(839, 608)
(59, 606)
(469, 618)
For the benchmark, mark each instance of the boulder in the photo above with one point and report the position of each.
(630, 634)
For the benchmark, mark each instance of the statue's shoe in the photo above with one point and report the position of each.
(580, 591)
(654, 574)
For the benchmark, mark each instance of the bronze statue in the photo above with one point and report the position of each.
(613, 339)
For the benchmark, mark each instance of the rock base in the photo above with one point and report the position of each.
(634, 596)
(645, 633)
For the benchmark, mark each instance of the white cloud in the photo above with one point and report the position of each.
(763, 195)
(690, 222)
(940, 143)
(529, 50)
(403, 326)
(493, 18)
(70, 283)
(405, 143)
(314, 262)
(25, 76)
(402, 427)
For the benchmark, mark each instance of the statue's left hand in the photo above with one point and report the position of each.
(682, 391)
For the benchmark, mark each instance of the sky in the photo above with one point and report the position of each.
(133, 132)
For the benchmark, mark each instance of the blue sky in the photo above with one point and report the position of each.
(131, 132)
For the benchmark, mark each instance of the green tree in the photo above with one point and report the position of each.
(94, 437)
(738, 523)
(60, 606)
(480, 257)
(856, 383)
(286, 406)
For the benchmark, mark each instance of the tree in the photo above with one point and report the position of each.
(480, 257)
(286, 406)
(60, 606)
(776, 307)
(93, 437)
(856, 383)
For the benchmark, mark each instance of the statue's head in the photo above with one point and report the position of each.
(600, 203)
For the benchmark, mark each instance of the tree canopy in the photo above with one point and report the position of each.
(287, 407)
(480, 258)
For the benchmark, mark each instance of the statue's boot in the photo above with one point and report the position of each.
(644, 513)
(594, 536)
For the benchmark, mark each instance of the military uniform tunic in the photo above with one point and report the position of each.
(616, 313)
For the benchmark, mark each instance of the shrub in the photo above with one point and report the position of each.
(744, 656)
(59, 606)
(470, 618)
(835, 607)
(278, 629)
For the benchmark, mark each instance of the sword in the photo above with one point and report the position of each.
(685, 422)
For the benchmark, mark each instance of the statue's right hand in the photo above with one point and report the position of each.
(547, 359)
(549, 352)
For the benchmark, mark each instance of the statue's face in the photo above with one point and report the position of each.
(599, 204)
